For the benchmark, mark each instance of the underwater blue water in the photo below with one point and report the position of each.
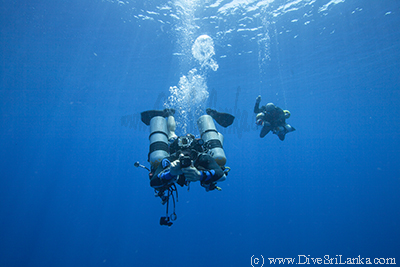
(75, 75)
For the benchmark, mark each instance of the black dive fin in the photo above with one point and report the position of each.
(146, 116)
(223, 119)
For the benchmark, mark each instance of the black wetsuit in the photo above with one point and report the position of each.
(273, 115)
(203, 162)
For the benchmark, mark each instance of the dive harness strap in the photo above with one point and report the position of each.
(213, 143)
(159, 145)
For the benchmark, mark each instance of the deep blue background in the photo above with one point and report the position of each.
(76, 74)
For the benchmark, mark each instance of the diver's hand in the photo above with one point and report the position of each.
(258, 99)
(191, 174)
(175, 168)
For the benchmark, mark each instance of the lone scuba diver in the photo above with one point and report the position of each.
(272, 118)
(184, 159)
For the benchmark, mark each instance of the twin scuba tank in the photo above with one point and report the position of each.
(158, 141)
(213, 140)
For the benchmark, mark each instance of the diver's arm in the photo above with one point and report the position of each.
(167, 172)
(257, 105)
(212, 171)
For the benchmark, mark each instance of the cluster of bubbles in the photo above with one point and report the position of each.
(203, 51)
(190, 96)
(254, 22)
(188, 99)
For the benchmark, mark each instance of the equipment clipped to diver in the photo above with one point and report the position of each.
(213, 140)
(137, 165)
(158, 141)
(165, 196)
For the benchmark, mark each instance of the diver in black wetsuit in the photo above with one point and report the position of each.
(184, 159)
(272, 118)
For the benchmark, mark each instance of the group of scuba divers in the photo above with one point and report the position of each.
(185, 159)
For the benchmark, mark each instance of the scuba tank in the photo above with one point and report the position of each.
(158, 141)
(213, 140)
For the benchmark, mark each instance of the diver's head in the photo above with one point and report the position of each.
(187, 142)
(270, 107)
(287, 114)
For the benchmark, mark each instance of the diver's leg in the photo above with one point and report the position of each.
(282, 135)
(289, 128)
(265, 129)
(286, 129)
